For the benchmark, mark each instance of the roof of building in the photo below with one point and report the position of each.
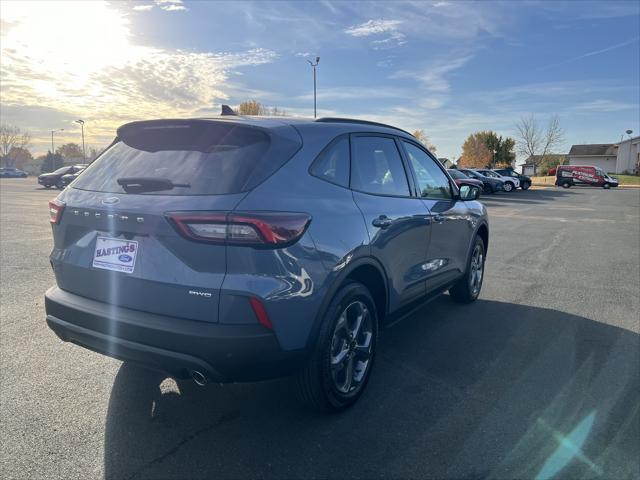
(594, 149)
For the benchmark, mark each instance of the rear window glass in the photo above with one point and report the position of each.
(203, 158)
(333, 163)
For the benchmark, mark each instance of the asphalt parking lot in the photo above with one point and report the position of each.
(538, 379)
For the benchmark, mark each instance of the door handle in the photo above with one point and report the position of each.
(381, 222)
(439, 218)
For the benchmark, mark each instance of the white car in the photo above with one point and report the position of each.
(510, 183)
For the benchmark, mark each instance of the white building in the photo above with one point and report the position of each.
(628, 158)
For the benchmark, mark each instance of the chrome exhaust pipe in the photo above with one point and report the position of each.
(198, 378)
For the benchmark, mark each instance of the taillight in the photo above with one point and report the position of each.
(260, 312)
(255, 229)
(56, 207)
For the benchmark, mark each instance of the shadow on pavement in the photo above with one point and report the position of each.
(487, 390)
(527, 197)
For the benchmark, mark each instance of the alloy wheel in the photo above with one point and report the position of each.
(476, 271)
(351, 347)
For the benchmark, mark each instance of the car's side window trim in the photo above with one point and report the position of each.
(323, 151)
(404, 168)
(453, 189)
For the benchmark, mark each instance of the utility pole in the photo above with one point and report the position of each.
(52, 132)
(84, 154)
(314, 65)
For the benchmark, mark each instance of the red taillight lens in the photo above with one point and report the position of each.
(56, 207)
(260, 312)
(257, 229)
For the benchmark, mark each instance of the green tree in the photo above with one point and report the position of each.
(52, 161)
(70, 151)
(501, 149)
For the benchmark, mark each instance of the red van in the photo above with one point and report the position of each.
(569, 175)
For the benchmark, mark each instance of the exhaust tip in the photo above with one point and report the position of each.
(199, 378)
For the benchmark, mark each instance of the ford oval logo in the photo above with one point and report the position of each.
(124, 258)
(110, 201)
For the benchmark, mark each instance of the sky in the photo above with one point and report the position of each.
(448, 67)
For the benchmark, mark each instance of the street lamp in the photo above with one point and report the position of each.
(84, 155)
(314, 65)
(629, 132)
(494, 156)
(52, 132)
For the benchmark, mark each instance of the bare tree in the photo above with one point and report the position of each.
(11, 137)
(424, 139)
(534, 141)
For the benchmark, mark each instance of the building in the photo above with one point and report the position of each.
(628, 156)
(532, 164)
(446, 163)
(602, 155)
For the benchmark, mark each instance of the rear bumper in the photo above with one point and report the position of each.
(223, 353)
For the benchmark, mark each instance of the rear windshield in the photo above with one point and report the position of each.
(201, 158)
(457, 174)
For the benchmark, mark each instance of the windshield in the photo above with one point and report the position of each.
(61, 170)
(457, 174)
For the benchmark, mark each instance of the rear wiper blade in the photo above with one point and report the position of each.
(148, 184)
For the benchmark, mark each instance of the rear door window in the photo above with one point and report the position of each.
(194, 158)
(376, 166)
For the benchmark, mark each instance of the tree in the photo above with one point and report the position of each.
(254, 107)
(51, 162)
(18, 157)
(12, 137)
(536, 143)
(93, 153)
(70, 151)
(501, 149)
(475, 153)
(424, 139)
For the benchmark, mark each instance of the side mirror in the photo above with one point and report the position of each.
(469, 192)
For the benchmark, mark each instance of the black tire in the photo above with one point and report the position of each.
(318, 383)
(508, 187)
(466, 291)
(47, 186)
(526, 185)
(566, 184)
(486, 189)
(606, 186)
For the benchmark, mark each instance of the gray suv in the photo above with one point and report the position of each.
(238, 249)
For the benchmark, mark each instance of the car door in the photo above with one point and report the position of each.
(451, 222)
(397, 221)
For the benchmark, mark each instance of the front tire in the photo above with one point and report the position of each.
(566, 185)
(606, 186)
(339, 368)
(508, 186)
(526, 185)
(467, 289)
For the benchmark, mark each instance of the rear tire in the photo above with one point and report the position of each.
(526, 185)
(340, 365)
(606, 186)
(467, 289)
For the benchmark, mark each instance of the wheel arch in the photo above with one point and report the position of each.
(365, 270)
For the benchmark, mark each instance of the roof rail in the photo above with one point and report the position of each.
(354, 120)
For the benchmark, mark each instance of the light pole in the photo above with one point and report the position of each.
(52, 132)
(314, 65)
(84, 154)
(493, 164)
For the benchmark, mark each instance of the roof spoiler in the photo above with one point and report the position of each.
(227, 110)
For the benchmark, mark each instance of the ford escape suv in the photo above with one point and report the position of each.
(238, 248)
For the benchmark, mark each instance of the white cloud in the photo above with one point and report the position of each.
(106, 79)
(171, 5)
(433, 78)
(143, 8)
(373, 27)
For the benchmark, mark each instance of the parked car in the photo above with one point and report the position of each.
(525, 181)
(510, 183)
(491, 184)
(70, 177)
(237, 249)
(10, 172)
(570, 175)
(54, 179)
(462, 179)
